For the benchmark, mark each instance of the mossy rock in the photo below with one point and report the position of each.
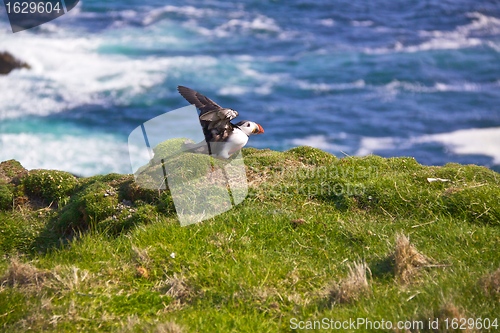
(10, 171)
(130, 190)
(177, 165)
(168, 148)
(127, 218)
(49, 185)
(263, 157)
(477, 204)
(310, 155)
(6, 197)
(94, 204)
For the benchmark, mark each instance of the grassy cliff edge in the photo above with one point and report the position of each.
(318, 240)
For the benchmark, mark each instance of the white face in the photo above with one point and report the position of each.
(249, 128)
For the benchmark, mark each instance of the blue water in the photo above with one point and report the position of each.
(396, 78)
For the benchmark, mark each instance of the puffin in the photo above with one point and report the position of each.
(222, 137)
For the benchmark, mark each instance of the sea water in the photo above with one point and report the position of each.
(414, 78)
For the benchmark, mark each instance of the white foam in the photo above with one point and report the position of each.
(189, 11)
(464, 36)
(68, 71)
(317, 141)
(81, 155)
(233, 90)
(264, 82)
(257, 24)
(261, 22)
(327, 22)
(323, 87)
(474, 141)
(366, 23)
(369, 145)
(395, 86)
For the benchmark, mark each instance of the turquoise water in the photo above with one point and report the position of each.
(394, 78)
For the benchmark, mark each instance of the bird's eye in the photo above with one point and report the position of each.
(248, 125)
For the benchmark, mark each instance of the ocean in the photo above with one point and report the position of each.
(414, 78)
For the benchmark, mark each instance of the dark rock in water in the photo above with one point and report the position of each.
(9, 63)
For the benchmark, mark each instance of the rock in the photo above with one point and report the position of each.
(9, 63)
(11, 171)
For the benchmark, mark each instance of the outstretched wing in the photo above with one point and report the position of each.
(202, 102)
(214, 119)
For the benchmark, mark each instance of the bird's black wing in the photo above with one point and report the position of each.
(214, 119)
(202, 102)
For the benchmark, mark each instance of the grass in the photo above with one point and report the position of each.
(317, 237)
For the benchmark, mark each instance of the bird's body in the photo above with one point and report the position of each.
(222, 138)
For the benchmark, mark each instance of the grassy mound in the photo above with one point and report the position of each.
(317, 237)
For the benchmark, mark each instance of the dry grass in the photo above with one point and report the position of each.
(297, 222)
(169, 327)
(140, 256)
(134, 324)
(176, 286)
(142, 262)
(491, 284)
(71, 277)
(27, 275)
(352, 287)
(407, 260)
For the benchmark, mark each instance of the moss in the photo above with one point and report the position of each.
(10, 171)
(127, 217)
(168, 148)
(475, 204)
(49, 185)
(310, 155)
(94, 204)
(172, 162)
(129, 189)
(6, 197)
(265, 157)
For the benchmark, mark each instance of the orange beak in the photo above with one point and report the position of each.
(261, 130)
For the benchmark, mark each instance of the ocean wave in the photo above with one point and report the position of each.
(325, 87)
(158, 14)
(327, 22)
(318, 141)
(474, 141)
(365, 23)
(465, 36)
(262, 83)
(396, 86)
(369, 145)
(481, 25)
(238, 90)
(259, 25)
(69, 72)
(81, 155)
(458, 42)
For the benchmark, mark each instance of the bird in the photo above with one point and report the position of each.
(222, 137)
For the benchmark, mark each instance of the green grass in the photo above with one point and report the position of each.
(110, 256)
